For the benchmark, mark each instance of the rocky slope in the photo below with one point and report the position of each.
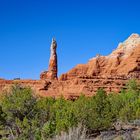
(122, 63)
(109, 72)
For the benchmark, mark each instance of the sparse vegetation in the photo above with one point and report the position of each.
(23, 116)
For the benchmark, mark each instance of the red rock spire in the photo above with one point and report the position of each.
(51, 74)
(53, 60)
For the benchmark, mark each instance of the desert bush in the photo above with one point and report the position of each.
(18, 107)
(24, 116)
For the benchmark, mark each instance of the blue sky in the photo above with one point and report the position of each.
(82, 28)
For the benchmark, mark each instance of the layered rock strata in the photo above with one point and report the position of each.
(110, 72)
(123, 63)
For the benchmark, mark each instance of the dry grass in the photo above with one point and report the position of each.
(76, 133)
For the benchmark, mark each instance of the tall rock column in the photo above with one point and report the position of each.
(51, 74)
(53, 61)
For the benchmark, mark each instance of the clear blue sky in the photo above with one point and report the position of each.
(82, 29)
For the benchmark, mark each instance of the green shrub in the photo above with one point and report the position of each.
(23, 116)
(18, 107)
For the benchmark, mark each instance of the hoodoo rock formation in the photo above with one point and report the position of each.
(109, 72)
(51, 74)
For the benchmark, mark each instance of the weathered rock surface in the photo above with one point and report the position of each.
(122, 63)
(51, 74)
(109, 72)
(127, 131)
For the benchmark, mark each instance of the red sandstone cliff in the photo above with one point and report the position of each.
(123, 62)
(109, 72)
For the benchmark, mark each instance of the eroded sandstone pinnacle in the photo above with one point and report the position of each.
(110, 72)
(51, 74)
